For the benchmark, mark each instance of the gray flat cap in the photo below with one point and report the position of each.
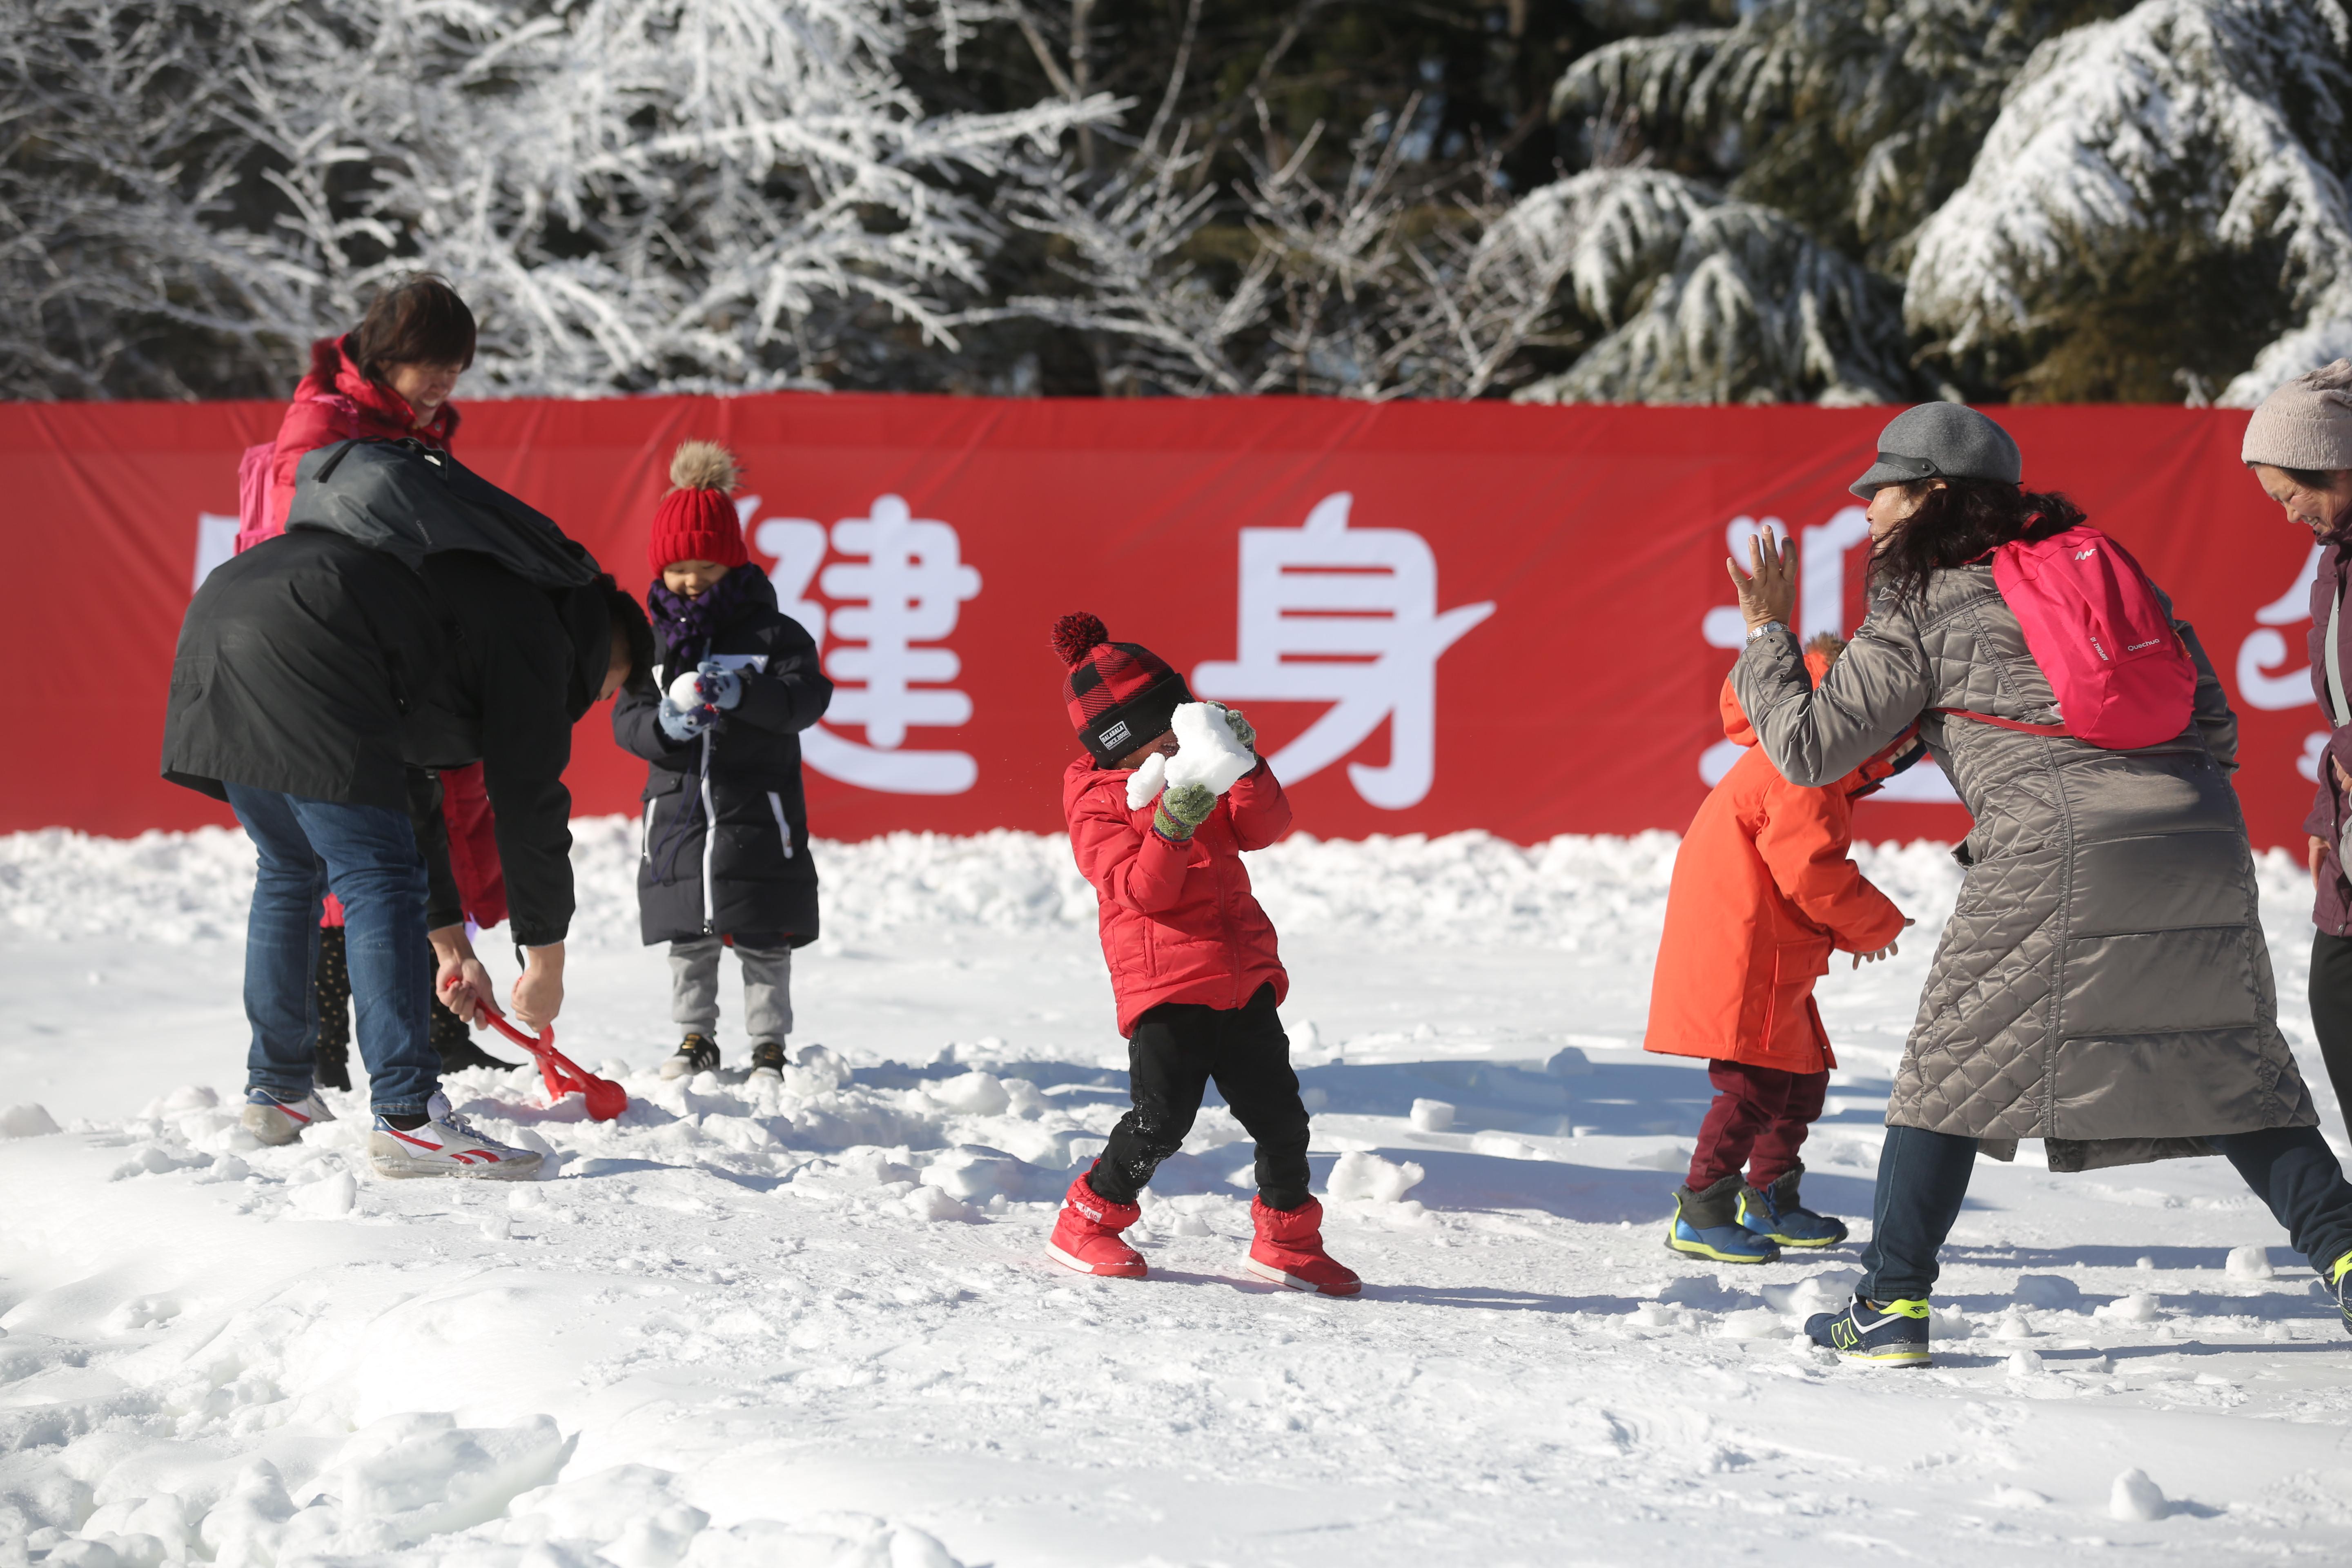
(1941, 441)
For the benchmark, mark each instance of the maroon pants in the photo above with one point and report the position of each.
(1758, 1120)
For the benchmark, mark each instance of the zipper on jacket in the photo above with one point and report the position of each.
(709, 844)
(783, 828)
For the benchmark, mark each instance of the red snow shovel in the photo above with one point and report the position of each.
(606, 1099)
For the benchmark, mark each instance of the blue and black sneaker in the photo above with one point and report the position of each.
(2339, 1278)
(1775, 1213)
(1705, 1226)
(1892, 1334)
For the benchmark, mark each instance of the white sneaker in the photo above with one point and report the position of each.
(276, 1122)
(445, 1146)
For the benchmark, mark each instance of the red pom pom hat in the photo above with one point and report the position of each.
(697, 521)
(1120, 694)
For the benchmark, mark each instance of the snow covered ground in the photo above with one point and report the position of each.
(815, 1325)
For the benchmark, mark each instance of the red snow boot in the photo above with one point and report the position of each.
(1289, 1250)
(1086, 1236)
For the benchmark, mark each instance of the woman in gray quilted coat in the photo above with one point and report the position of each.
(2103, 983)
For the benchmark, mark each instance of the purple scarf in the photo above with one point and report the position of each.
(689, 625)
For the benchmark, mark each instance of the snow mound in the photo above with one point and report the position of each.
(2136, 1498)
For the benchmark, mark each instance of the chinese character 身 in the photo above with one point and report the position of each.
(1347, 617)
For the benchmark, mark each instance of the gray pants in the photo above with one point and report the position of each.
(767, 988)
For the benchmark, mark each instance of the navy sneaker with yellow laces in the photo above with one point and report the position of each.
(2339, 1277)
(1890, 1333)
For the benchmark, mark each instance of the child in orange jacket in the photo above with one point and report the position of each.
(1763, 890)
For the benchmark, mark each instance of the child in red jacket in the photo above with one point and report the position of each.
(1191, 956)
(1763, 890)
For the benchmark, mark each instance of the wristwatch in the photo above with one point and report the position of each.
(1755, 632)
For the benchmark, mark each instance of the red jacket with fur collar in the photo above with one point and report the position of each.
(1178, 923)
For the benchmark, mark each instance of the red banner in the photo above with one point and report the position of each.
(1439, 615)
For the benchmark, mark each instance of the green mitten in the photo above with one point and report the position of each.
(1243, 731)
(1181, 810)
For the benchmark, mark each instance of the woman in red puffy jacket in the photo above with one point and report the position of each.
(388, 378)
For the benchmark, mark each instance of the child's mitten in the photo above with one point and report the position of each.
(721, 687)
(680, 724)
(1243, 731)
(1183, 808)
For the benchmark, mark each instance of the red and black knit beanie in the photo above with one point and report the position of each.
(1121, 696)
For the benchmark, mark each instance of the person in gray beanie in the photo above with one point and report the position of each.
(2299, 445)
(2103, 984)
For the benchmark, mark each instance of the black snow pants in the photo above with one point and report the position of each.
(1178, 1047)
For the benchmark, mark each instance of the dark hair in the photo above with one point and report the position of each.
(1958, 521)
(631, 627)
(417, 320)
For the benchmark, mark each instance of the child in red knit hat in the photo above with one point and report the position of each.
(725, 859)
(1159, 828)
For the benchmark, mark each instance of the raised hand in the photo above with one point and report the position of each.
(1768, 589)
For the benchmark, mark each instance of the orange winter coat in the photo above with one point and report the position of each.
(1763, 891)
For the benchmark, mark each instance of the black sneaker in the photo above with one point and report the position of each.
(768, 1058)
(696, 1053)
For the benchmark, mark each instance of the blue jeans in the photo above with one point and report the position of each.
(367, 856)
(1922, 1176)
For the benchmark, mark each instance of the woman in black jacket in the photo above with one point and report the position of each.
(724, 850)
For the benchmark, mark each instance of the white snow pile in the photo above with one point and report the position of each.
(1572, 891)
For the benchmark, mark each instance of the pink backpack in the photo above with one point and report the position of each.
(253, 495)
(2092, 622)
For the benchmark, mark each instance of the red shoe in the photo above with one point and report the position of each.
(1086, 1236)
(1289, 1250)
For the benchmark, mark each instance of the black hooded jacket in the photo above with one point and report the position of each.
(458, 625)
(299, 666)
(752, 877)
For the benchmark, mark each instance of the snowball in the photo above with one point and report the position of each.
(1144, 784)
(2138, 1308)
(2134, 1497)
(2245, 1262)
(1206, 752)
(971, 1094)
(1431, 1115)
(687, 690)
(1358, 1175)
(2024, 1363)
(330, 1197)
(26, 1122)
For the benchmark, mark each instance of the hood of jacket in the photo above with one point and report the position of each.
(333, 372)
(410, 500)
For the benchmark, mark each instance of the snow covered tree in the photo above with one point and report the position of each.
(1856, 118)
(2161, 194)
(633, 194)
(1703, 299)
